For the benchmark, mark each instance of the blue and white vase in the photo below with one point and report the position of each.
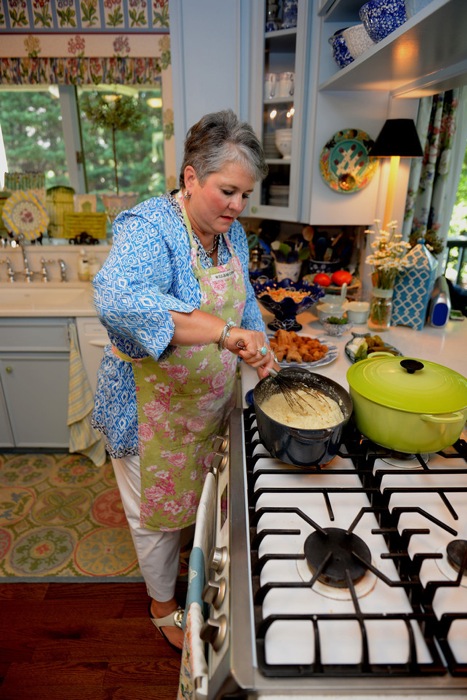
(289, 14)
(340, 50)
(381, 17)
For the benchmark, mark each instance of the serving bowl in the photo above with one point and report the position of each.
(285, 300)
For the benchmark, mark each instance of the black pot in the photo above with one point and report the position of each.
(298, 446)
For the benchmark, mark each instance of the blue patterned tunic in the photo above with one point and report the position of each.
(147, 274)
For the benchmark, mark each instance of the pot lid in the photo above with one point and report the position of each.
(409, 384)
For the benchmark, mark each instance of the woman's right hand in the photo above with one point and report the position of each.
(251, 346)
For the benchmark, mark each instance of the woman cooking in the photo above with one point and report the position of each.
(175, 298)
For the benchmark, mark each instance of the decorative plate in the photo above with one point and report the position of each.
(348, 349)
(344, 163)
(24, 213)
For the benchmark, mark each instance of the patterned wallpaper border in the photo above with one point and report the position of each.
(44, 16)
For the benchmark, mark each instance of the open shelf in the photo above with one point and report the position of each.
(425, 55)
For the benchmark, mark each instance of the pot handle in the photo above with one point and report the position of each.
(451, 418)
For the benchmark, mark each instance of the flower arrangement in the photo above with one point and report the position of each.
(388, 255)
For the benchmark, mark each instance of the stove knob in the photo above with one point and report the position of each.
(219, 462)
(221, 443)
(214, 592)
(214, 631)
(218, 558)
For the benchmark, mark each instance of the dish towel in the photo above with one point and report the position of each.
(193, 668)
(83, 437)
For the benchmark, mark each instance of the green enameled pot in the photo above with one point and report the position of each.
(406, 404)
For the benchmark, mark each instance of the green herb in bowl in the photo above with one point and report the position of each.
(337, 320)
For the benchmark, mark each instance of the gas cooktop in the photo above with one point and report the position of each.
(359, 567)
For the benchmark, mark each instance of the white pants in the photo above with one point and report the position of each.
(158, 552)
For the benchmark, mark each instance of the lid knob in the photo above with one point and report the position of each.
(411, 366)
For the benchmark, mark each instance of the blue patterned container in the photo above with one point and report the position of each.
(413, 288)
(381, 17)
(340, 51)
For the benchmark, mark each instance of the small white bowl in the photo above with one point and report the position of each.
(358, 311)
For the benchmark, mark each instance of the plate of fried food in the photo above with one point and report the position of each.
(291, 349)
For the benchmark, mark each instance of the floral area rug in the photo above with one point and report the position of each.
(61, 518)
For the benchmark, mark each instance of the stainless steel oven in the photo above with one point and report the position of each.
(344, 581)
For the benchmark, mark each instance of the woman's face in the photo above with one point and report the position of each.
(215, 205)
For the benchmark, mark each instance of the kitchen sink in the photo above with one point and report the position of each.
(46, 300)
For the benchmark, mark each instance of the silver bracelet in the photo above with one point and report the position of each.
(224, 335)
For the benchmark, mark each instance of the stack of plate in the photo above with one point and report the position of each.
(279, 195)
(269, 146)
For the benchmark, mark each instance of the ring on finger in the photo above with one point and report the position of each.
(263, 351)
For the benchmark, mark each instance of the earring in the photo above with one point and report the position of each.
(187, 195)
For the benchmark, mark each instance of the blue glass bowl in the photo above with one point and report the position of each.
(381, 17)
(285, 312)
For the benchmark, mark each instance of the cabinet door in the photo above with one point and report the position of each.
(36, 392)
(6, 436)
(277, 110)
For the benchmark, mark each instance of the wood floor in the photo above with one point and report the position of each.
(83, 641)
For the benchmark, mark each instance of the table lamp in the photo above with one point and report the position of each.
(397, 139)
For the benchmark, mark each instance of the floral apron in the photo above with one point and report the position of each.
(184, 402)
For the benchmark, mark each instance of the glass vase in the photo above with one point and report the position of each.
(380, 309)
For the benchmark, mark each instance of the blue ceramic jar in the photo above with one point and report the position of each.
(340, 50)
(381, 17)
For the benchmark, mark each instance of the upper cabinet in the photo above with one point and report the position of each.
(279, 51)
(425, 55)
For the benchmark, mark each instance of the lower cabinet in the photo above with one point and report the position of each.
(34, 377)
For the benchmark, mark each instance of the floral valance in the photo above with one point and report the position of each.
(83, 15)
(80, 71)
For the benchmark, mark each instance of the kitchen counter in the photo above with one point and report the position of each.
(446, 346)
(46, 299)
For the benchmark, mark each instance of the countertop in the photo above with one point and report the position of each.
(446, 346)
(46, 299)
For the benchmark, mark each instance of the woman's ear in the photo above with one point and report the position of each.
(189, 175)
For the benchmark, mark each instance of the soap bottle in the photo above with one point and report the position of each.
(94, 267)
(83, 266)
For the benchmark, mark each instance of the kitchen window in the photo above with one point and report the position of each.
(45, 130)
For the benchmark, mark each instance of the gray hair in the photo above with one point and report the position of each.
(219, 138)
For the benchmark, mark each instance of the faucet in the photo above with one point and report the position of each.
(10, 271)
(63, 277)
(27, 272)
(44, 270)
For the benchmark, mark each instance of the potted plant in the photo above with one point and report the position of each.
(121, 113)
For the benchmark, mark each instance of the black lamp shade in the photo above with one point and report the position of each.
(398, 137)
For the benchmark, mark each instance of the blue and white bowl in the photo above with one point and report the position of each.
(340, 50)
(381, 17)
(286, 311)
